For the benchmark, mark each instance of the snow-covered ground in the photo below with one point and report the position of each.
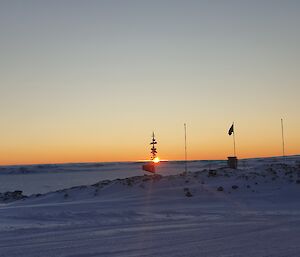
(210, 211)
(33, 179)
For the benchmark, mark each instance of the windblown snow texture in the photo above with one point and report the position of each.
(211, 211)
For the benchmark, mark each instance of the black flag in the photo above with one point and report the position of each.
(230, 131)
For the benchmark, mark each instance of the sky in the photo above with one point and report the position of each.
(89, 81)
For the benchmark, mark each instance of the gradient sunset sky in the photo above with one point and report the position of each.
(90, 80)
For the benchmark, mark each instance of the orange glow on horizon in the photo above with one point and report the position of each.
(34, 161)
(206, 149)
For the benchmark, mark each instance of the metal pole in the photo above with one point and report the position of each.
(185, 147)
(282, 135)
(234, 140)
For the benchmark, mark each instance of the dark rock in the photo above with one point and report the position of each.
(105, 182)
(234, 187)
(12, 196)
(220, 188)
(129, 182)
(187, 192)
(212, 173)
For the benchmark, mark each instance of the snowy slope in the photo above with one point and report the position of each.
(33, 179)
(252, 211)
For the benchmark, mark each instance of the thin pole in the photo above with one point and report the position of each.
(185, 147)
(282, 136)
(234, 140)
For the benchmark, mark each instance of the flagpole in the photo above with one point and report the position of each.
(185, 152)
(234, 139)
(282, 136)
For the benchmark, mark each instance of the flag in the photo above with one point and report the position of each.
(230, 131)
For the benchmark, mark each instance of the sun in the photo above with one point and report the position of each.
(156, 160)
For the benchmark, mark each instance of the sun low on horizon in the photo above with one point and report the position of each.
(156, 160)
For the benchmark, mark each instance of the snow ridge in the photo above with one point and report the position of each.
(252, 211)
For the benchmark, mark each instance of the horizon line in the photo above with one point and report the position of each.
(141, 161)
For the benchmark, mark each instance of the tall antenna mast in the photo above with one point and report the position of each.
(282, 136)
(185, 152)
(234, 151)
(153, 148)
(154, 160)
